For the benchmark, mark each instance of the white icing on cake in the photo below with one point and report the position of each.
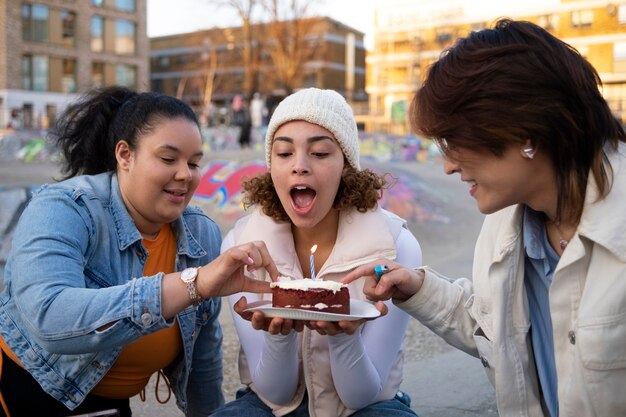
(306, 284)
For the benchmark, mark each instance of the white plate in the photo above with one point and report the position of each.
(358, 310)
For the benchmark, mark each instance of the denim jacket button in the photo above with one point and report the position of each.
(146, 319)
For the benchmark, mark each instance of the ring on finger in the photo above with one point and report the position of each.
(380, 270)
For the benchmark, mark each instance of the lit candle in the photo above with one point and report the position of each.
(312, 259)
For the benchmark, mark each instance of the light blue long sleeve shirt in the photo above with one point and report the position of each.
(540, 263)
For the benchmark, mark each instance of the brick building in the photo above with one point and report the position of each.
(408, 39)
(182, 64)
(53, 50)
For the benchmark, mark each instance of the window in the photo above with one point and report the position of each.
(68, 78)
(582, 18)
(97, 74)
(548, 21)
(97, 33)
(27, 115)
(583, 50)
(26, 22)
(35, 72)
(124, 37)
(122, 5)
(35, 22)
(126, 75)
(27, 79)
(621, 14)
(164, 61)
(125, 5)
(68, 22)
(51, 114)
(619, 51)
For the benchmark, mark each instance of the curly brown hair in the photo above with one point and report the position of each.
(358, 189)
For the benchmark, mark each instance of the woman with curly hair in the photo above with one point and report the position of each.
(315, 193)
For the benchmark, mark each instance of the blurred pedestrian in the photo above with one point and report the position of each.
(241, 119)
(257, 111)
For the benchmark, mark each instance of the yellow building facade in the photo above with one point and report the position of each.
(407, 39)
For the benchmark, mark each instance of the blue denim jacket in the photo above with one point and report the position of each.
(76, 265)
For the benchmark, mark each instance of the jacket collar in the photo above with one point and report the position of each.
(610, 233)
(509, 236)
(354, 244)
(128, 234)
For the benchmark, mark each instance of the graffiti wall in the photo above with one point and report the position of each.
(219, 193)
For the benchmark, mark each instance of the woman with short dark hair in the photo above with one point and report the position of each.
(519, 115)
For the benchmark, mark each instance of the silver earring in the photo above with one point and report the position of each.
(530, 152)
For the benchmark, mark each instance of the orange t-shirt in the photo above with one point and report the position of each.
(139, 360)
(11, 355)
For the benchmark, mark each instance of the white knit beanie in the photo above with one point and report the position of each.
(325, 108)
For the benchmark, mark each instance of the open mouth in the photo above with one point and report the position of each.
(302, 196)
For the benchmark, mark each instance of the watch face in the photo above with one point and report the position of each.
(189, 274)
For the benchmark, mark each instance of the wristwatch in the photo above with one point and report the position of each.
(188, 276)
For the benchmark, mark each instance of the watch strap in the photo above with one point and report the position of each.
(195, 297)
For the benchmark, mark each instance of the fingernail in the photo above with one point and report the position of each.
(250, 260)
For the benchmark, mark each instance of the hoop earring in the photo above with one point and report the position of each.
(530, 152)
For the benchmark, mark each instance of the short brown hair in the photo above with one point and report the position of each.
(358, 189)
(515, 83)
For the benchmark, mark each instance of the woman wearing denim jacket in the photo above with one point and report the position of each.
(95, 300)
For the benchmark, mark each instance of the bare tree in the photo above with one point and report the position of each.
(246, 9)
(209, 56)
(291, 40)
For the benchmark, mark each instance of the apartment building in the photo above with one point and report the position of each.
(53, 50)
(209, 66)
(409, 38)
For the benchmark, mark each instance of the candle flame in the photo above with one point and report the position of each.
(313, 248)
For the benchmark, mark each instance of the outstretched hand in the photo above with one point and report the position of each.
(400, 283)
(225, 274)
(271, 325)
(332, 328)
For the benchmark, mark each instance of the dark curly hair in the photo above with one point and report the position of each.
(358, 189)
(90, 128)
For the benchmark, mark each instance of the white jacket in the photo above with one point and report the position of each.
(361, 237)
(489, 318)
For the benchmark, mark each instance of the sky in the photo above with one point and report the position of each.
(167, 17)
